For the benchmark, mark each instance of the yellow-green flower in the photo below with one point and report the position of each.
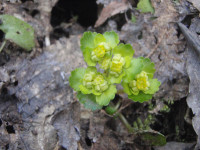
(105, 63)
(88, 79)
(133, 87)
(98, 53)
(142, 81)
(122, 55)
(100, 84)
(96, 46)
(90, 82)
(117, 65)
(138, 82)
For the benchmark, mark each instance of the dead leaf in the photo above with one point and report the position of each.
(46, 107)
(193, 70)
(112, 9)
(196, 3)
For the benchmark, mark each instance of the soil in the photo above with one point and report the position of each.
(40, 111)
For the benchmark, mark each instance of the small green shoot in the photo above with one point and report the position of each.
(133, 19)
(145, 6)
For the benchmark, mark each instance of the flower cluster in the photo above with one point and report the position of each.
(96, 89)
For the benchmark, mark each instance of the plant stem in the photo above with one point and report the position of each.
(2, 45)
(125, 122)
(113, 110)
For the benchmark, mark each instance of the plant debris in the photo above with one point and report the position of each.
(39, 110)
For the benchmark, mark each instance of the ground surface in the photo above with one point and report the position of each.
(38, 109)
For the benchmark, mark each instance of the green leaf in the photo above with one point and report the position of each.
(141, 97)
(87, 40)
(145, 6)
(106, 96)
(126, 88)
(76, 77)
(99, 38)
(87, 57)
(134, 69)
(89, 101)
(85, 90)
(95, 92)
(138, 65)
(148, 67)
(152, 138)
(114, 79)
(17, 31)
(154, 86)
(105, 63)
(124, 50)
(128, 61)
(91, 69)
(111, 38)
(133, 19)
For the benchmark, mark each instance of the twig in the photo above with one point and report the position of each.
(79, 146)
(123, 107)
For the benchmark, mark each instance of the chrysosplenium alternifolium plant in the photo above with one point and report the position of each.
(96, 89)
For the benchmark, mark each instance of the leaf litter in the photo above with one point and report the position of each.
(39, 112)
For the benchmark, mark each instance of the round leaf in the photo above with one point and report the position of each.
(76, 77)
(141, 97)
(87, 40)
(124, 50)
(154, 86)
(17, 31)
(87, 57)
(99, 38)
(111, 38)
(89, 101)
(106, 96)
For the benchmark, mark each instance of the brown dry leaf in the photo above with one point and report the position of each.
(196, 3)
(112, 9)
